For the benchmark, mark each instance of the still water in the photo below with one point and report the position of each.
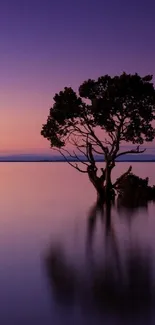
(60, 261)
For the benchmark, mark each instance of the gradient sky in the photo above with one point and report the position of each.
(46, 45)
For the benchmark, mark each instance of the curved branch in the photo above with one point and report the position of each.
(92, 133)
(136, 151)
(98, 152)
(65, 150)
(81, 161)
(71, 164)
(79, 148)
(116, 143)
(74, 166)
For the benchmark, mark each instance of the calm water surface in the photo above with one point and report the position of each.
(57, 259)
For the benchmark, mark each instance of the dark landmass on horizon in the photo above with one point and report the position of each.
(50, 158)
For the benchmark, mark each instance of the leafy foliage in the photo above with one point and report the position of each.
(122, 107)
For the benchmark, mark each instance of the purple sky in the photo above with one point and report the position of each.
(46, 45)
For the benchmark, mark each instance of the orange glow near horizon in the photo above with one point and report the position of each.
(21, 122)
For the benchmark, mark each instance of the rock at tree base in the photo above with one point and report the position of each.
(133, 190)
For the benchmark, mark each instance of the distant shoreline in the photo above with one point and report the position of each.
(63, 161)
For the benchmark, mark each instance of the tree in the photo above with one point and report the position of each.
(105, 113)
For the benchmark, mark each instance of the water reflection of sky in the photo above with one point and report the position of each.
(49, 205)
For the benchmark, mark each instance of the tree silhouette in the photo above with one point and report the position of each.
(105, 113)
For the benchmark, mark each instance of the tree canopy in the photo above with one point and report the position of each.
(121, 107)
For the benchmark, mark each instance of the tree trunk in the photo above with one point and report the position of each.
(108, 184)
(100, 191)
(102, 184)
(98, 183)
(109, 191)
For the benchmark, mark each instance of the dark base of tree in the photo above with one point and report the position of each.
(105, 196)
(131, 191)
(134, 191)
(100, 197)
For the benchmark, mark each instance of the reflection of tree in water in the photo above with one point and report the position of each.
(126, 288)
(128, 291)
(129, 211)
(61, 274)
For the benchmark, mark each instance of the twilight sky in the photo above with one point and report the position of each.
(46, 45)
